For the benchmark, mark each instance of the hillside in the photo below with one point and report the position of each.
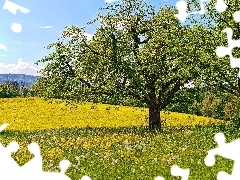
(37, 114)
(28, 79)
(102, 143)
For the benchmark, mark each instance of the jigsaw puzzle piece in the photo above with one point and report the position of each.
(159, 178)
(4, 126)
(236, 16)
(88, 178)
(223, 51)
(182, 10)
(64, 165)
(7, 164)
(54, 175)
(12, 7)
(177, 171)
(220, 6)
(226, 150)
(35, 164)
(10, 169)
(223, 175)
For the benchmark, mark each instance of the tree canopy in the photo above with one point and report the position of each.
(219, 73)
(136, 52)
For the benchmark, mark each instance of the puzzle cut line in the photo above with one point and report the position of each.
(10, 169)
(12, 7)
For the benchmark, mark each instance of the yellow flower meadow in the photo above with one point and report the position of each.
(105, 152)
(36, 114)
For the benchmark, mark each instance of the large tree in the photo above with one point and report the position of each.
(136, 52)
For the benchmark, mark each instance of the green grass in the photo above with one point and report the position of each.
(126, 152)
(118, 150)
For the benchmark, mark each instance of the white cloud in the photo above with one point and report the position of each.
(3, 47)
(17, 42)
(89, 36)
(47, 27)
(110, 1)
(20, 68)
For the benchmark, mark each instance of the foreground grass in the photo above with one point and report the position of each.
(125, 153)
(116, 152)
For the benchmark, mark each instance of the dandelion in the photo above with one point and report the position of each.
(77, 158)
(50, 165)
(115, 161)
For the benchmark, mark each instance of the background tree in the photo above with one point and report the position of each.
(232, 109)
(187, 100)
(9, 89)
(135, 53)
(219, 73)
(210, 105)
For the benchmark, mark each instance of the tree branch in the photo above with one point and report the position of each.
(93, 51)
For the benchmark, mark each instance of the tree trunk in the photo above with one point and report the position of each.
(239, 119)
(154, 118)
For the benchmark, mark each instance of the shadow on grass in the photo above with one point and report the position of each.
(101, 131)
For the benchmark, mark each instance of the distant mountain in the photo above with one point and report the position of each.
(28, 79)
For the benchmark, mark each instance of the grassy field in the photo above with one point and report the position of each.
(108, 142)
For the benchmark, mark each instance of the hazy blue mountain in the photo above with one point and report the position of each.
(28, 79)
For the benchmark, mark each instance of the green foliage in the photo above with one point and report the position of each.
(187, 101)
(136, 54)
(8, 91)
(125, 153)
(12, 89)
(37, 89)
(109, 148)
(218, 73)
(204, 101)
(219, 105)
(232, 110)
(210, 105)
(24, 91)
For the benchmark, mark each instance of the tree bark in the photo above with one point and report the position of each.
(154, 118)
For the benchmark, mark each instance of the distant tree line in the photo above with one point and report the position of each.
(206, 102)
(11, 89)
(200, 101)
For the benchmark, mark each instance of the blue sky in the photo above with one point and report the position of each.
(42, 25)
